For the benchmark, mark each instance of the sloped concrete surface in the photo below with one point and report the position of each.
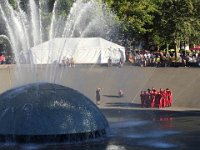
(183, 82)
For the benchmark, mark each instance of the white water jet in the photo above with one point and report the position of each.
(80, 15)
(27, 25)
(23, 19)
(17, 26)
(53, 20)
(35, 22)
(77, 11)
(9, 28)
(40, 19)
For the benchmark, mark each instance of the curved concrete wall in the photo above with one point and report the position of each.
(183, 82)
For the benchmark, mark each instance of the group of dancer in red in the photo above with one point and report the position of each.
(156, 98)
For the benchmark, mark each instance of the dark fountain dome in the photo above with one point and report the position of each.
(46, 112)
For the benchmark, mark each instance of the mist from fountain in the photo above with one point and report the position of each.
(27, 27)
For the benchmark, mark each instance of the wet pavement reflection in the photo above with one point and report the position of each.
(138, 130)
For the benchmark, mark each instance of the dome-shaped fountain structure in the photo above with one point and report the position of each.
(45, 112)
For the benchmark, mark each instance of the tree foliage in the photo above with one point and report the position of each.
(179, 21)
(134, 15)
(158, 21)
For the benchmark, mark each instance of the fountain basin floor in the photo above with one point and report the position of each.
(138, 129)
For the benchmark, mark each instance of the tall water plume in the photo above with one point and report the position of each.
(33, 22)
(52, 26)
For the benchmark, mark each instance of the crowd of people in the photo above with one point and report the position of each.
(151, 98)
(67, 62)
(120, 63)
(164, 59)
(156, 98)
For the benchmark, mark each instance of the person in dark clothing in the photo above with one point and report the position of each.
(98, 96)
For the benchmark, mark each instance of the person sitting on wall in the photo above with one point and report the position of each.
(2, 59)
(62, 62)
(67, 62)
(131, 58)
(72, 63)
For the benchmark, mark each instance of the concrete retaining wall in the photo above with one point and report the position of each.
(184, 82)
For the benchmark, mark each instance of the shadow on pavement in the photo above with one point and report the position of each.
(113, 96)
(124, 104)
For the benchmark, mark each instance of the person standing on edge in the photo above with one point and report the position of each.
(109, 62)
(98, 96)
(121, 62)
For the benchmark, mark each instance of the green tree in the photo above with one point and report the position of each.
(177, 21)
(133, 15)
(13, 3)
(195, 36)
(154, 34)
